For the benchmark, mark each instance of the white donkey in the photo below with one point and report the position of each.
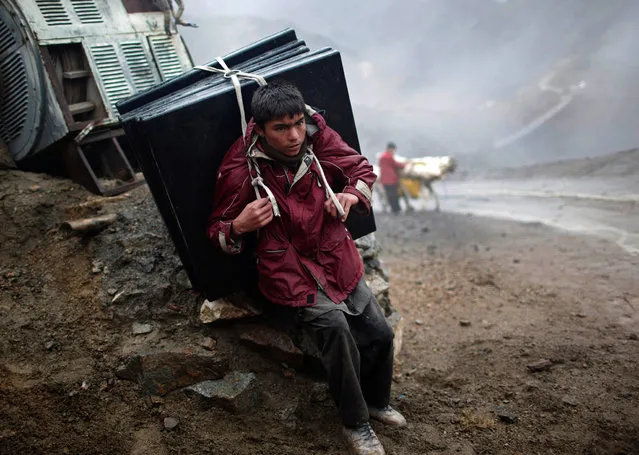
(417, 178)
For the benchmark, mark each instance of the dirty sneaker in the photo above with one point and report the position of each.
(388, 416)
(362, 440)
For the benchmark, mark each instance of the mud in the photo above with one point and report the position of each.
(482, 298)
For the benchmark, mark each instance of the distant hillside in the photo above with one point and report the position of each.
(620, 164)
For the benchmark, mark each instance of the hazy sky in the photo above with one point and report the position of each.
(460, 74)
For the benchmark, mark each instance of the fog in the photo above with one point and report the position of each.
(497, 82)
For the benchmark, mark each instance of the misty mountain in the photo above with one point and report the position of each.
(463, 76)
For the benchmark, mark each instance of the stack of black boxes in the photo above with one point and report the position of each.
(181, 129)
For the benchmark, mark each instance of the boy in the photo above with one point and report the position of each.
(306, 256)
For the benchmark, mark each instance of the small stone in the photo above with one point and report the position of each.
(516, 261)
(633, 336)
(531, 386)
(209, 343)
(506, 415)
(182, 281)
(163, 372)
(319, 393)
(396, 322)
(540, 365)
(235, 392)
(570, 401)
(97, 267)
(112, 291)
(273, 343)
(170, 423)
(141, 329)
(288, 372)
(378, 285)
(156, 400)
(49, 345)
(222, 309)
(464, 323)
(419, 322)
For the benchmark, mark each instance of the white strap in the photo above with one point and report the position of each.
(329, 192)
(258, 183)
(235, 76)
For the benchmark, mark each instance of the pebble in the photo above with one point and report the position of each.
(209, 343)
(464, 323)
(506, 415)
(419, 322)
(141, 329)
(170, 423)
(633, 336)
(319, 393)
(540, 365)
(570, 401)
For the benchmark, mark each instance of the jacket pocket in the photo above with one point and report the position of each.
(340, 260)
(281, 276)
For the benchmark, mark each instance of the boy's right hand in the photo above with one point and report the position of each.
(255, 215)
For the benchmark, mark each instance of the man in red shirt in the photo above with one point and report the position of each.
(389, 176)
(306, 258)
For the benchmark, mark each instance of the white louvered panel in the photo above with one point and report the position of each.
(139, 65)
(166, 56)
(53, 12)
(87, 11)
(110, 73)
(14, 106)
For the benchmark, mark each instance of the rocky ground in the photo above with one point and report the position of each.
(518, 339)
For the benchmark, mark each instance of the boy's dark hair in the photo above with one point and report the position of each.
(275, 100)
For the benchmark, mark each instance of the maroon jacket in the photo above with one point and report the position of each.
(305, 246)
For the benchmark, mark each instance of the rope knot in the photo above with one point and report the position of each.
(228, 74)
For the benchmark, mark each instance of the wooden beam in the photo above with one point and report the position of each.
(77, 74)
(82, 107)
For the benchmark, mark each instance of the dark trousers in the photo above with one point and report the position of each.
(357, 353)
(392, 197)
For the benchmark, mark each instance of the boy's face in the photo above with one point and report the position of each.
(285, 134)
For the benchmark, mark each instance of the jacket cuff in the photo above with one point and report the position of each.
(363, 193)
(226, 241)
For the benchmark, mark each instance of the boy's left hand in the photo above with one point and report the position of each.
(347, 200)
